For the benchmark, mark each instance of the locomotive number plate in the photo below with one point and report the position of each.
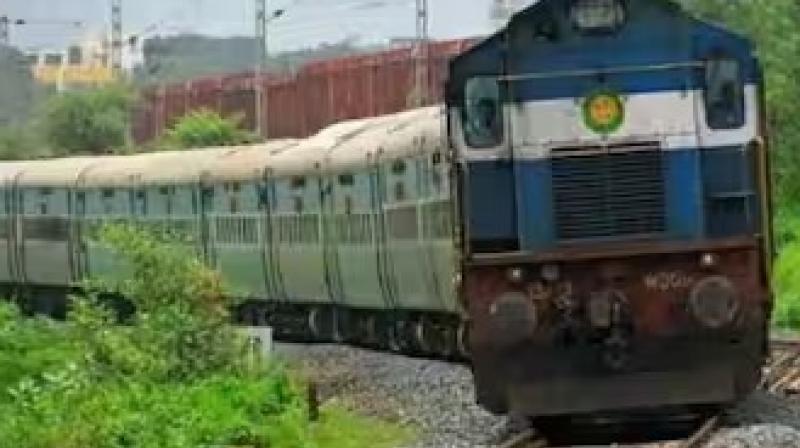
(668, 281)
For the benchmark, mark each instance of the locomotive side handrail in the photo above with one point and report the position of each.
(602, 70)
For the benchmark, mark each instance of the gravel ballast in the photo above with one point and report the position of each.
(437, 399)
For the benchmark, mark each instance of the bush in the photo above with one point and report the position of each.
(206, 128)
(89, 122)
(174, 377)
(181, 327)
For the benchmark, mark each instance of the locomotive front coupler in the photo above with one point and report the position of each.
(609, 320)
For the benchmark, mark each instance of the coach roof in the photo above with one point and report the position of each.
(57, 172)
(182, 167)
(248, 162)
(391, 136)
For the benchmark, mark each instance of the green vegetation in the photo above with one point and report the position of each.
(772, 24)
(88, 122)
(176, 376)
(787, 270)
(205, 128)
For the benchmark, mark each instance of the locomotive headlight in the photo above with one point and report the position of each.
(709, 260)
(714, 302)
(516, 275)
(597, 15)
(514, 318)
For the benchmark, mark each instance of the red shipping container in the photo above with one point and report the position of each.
(302, 103)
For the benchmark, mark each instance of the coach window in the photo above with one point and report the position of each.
(724, 94)
(108, 201)
(482, 113)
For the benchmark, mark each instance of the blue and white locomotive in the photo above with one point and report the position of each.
(614, 195)
(588, 220)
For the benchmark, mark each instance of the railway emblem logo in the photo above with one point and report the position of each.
(603, 112)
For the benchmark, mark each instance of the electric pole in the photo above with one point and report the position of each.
(261, 57)
(421, 55)
(116, 36)
(4, 39)
(263, 19)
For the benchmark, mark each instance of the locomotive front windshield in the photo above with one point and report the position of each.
(482, 113)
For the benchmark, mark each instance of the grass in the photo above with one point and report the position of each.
(786, 276)
(176, 377)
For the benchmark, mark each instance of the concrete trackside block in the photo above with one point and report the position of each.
(259, 340)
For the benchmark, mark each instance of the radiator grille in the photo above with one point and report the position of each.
(609, 193)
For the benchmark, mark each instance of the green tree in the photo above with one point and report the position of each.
(90, 121)
(773, 26)
(204, 128)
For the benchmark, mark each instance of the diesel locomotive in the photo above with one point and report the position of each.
(587, 219)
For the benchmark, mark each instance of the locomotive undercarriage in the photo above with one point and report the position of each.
(416, 333)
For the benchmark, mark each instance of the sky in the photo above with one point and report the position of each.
(306, 23)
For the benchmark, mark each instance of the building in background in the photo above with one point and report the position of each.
(85, 64)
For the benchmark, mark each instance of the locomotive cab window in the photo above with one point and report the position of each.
(482, 113)
(724, 96)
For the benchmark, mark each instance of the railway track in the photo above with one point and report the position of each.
(782, 373)
(781, 377)
(531, 438)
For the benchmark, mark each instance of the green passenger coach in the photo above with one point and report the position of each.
(344, 236)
